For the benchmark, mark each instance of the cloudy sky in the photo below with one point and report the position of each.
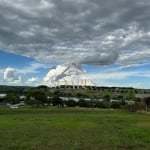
(110, 39)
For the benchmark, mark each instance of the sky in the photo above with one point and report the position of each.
(108, 39)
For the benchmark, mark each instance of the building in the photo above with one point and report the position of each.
(141, 97)
(2, 97)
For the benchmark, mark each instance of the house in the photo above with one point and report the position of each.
(2, 97)
(141, 97)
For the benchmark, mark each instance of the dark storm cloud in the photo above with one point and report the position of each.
(97, 32)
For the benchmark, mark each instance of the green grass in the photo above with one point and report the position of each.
(73, 129)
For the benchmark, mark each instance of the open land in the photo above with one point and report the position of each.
(73, 129)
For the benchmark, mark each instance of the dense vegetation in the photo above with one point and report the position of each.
(73, 129)
(17, 89)
(92, 97)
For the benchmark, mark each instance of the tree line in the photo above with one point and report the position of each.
(41, 97)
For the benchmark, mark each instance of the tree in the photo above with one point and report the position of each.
(36, 97)
(83, 103)
(44, 87)
(71, 103)
(100, 104)
(12, 98)
(120, 97)
(57, 93)
(57, 101)
(130, 95)
(106, 97)
(79, 95)
(115, 104)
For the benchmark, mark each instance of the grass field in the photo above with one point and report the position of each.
(73, 129)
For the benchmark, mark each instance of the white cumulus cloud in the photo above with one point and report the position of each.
(33, 79)
(10, 75)
(67, 75)
(54, 73)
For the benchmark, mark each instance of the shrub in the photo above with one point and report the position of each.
(71, 103)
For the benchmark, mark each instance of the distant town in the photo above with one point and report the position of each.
(75, 96)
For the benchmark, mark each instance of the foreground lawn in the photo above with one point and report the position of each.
(73, 129)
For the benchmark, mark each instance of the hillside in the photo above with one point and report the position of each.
(7, 88)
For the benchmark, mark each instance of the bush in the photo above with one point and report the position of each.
(36, 97)
(56, 101)
(106, 97)
(100, 104)
(12, 98)
(71, 103)
(83, 103)
(115, 105)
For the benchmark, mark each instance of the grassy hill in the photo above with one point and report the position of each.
(73, 129)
